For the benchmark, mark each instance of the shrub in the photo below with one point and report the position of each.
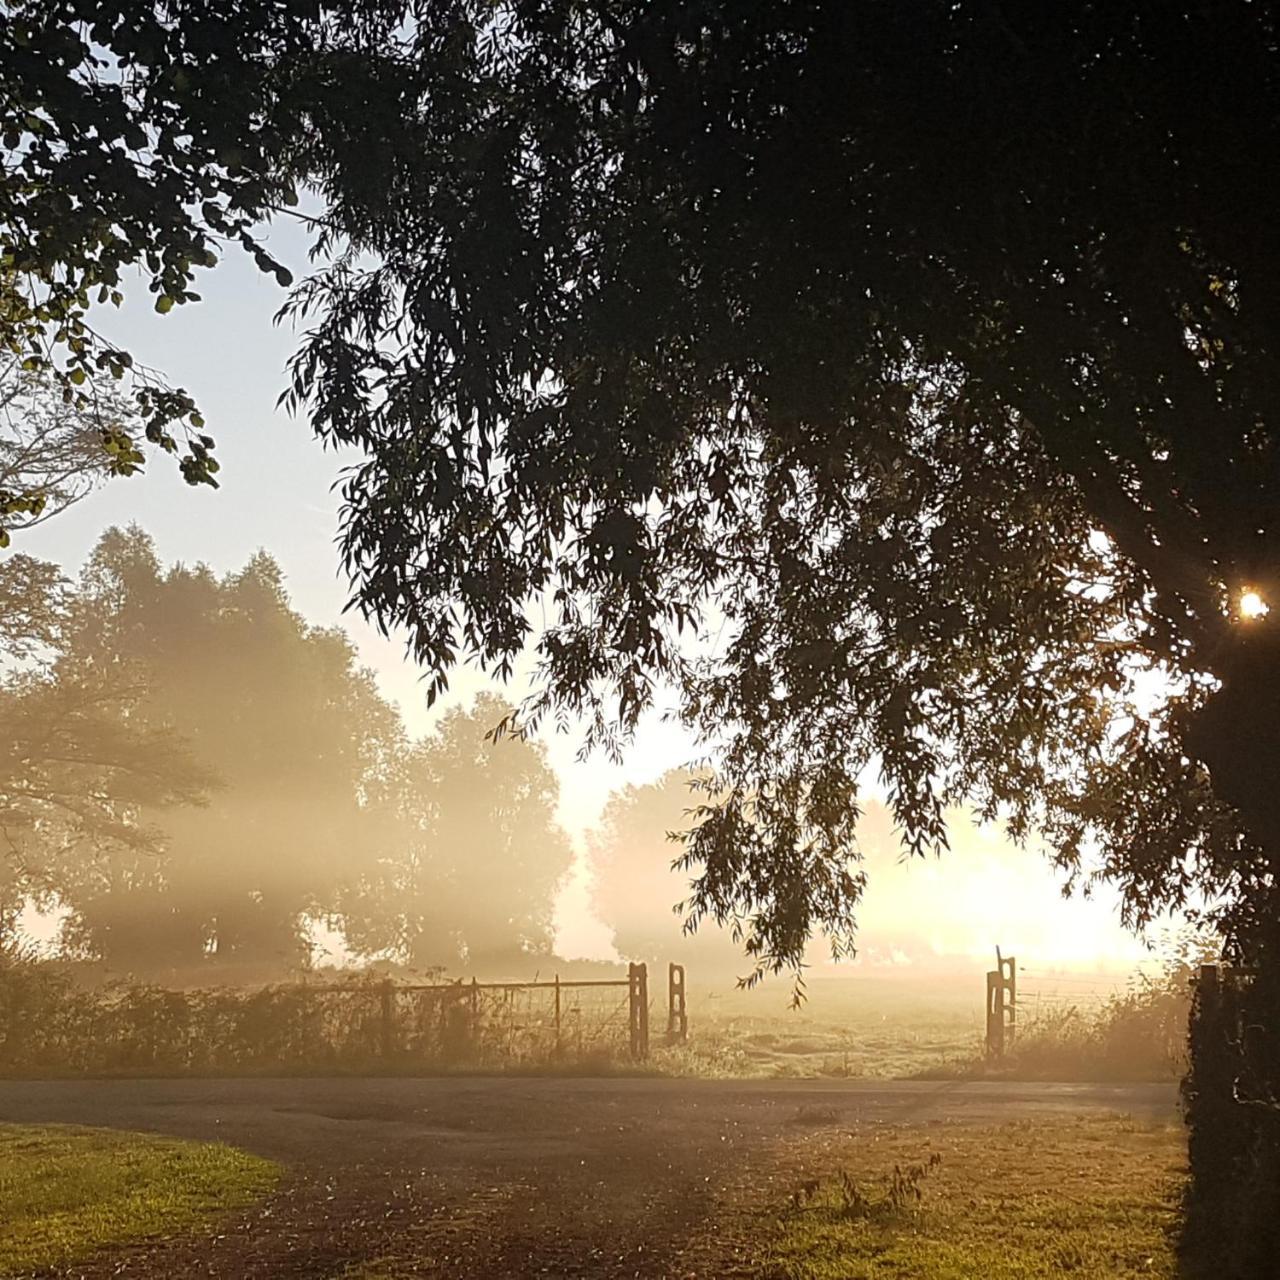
(49, 1024)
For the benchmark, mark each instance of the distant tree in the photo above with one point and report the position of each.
(32, 602)
(635, 889)
(77, 771)
(296, 733)
(472, 878)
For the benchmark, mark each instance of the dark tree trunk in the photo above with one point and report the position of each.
(1232, 1094)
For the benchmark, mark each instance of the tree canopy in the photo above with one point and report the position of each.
(55, 448)
(920, 353)
(296, 734)
(893, 383)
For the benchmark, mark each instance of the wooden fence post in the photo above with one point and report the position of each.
(677, 1013)
(388, 1019)
(995, 1016)
(473, 1046)
(644, 1011)
(638, 1001)
(559, 1042)
(1002, 1014)
(1009, 981)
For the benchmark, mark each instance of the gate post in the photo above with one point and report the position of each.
(387, 1020)
(677, 1015)
(638, 991)
(995, 1016)
(644, 1011)
(1003, 978)
(559, 1037)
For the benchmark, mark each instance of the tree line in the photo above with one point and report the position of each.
(195, 776)
(194, 773)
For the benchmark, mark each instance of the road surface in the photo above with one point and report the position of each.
(485, 1178)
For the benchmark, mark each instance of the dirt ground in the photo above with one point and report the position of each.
(489, 1178)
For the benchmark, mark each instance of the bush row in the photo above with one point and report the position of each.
(51, 1025)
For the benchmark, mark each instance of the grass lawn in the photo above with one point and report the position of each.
(1094, 1198)
(66, 1191)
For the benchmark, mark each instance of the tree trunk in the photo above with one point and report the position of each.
(1232, 1095)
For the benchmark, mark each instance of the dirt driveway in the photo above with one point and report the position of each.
(490, 1178)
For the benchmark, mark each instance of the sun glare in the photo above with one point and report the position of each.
(1252, 605)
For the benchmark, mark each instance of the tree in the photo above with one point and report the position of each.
(78, 775)
(472, 876)
(867, 332)
(301, 742)
(929, 348)
(79, 781)
(31, 606)
(139, 137)
(636, 891)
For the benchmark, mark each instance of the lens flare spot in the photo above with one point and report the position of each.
(1252, 605)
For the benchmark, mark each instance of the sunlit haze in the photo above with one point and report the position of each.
(277, 494)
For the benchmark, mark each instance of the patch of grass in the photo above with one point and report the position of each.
(1091, 1197)
(66, 1191)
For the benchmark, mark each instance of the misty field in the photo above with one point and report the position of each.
(1100, 1028)
(844, 1029)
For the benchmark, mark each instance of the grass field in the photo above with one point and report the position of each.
(868, 1028)
(66, 1192)
(1095, 1198)
(846, 1029)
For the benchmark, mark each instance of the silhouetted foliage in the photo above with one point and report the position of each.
(135, 136)
(56, 447)
(920, 352)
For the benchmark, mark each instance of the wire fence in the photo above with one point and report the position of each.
(1043, 995)
(48, 1024)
